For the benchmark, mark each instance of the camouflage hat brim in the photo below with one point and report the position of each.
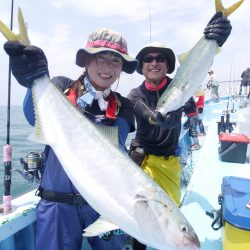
(129, 65)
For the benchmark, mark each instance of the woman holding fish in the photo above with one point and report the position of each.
(62, 211)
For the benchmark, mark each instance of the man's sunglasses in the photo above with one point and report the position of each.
(158, 59)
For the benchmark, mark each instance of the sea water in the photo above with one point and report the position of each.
(21, 146)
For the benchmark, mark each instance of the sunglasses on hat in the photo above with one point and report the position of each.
(158, 59)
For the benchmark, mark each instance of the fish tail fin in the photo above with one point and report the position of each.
(7, 33)
(227, 11)
(11, 36)
(23, 34)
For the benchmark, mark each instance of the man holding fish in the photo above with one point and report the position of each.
(155, 147)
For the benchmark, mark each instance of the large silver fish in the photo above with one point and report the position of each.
(194, 67)
(108, 179)
(125, 196)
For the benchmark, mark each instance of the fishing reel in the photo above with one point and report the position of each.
(32, 164)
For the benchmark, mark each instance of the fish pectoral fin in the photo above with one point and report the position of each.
(11, 36)
(100, 226)
(145, 208)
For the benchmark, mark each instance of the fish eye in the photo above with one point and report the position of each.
(184, 228)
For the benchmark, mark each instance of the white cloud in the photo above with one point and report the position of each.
(61, 27)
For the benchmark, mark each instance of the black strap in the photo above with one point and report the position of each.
(218, 221)
(70, 199)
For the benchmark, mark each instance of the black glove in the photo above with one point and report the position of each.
(26, 62)
(170, 120)
(165, 121)
(218, 28)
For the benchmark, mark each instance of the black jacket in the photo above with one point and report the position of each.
(155, 139)
(189, 107)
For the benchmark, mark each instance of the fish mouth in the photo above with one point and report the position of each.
(161, 110)
(192, 242)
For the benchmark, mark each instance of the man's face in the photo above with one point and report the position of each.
(104, 69)
(154, 67)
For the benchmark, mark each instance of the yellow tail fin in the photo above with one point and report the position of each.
(227, 11)
(22, 28)
(11, 36)
(8, 34)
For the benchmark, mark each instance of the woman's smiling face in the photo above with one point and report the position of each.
(104, 69)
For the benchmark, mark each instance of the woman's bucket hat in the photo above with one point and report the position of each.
(106, 40)
(156, 47)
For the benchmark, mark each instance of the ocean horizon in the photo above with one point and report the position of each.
(21, 146)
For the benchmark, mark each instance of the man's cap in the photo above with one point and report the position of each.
(106, 40)
(156, 47)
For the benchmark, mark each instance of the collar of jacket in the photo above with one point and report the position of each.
(113, 103)
(152, 87)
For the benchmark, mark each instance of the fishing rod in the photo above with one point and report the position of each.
(7, 149)
(149, 16)
(232, 109)
(229, 124)
(229, 89)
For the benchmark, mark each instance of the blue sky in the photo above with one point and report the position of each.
(61, 27)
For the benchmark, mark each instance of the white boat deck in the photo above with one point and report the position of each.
(17, 227)
(205, 185)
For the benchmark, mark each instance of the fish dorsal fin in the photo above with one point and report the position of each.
(110, 132)
(100, 226)
(227, 11)
(38, 132)
(219, 49)
(182, 57)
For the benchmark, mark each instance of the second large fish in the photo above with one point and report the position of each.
(192, 71)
